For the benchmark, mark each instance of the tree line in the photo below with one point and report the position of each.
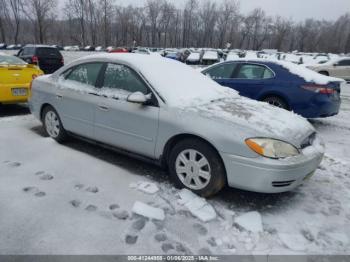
(159, 23)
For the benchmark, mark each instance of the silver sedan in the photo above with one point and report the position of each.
(163, 111)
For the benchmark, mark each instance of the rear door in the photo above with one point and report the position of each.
(76, 98)
(126, 125)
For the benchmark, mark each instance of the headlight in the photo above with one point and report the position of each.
(271, 148)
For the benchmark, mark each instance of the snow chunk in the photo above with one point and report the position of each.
(294, 242)
(148, 211)
(196, 205)
(147, 187)
(250, 221)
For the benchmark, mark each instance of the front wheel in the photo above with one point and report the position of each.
(53, 125)
(195, 165)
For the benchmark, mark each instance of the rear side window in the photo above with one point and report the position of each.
(252, 71)
(28, 51)
(344, 62)
(48, 52)
(85, 73)
(221, 71)
(123, 78)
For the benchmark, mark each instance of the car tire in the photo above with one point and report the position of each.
(52, 124)
(276, 101)
(203, 173)
(324, 73)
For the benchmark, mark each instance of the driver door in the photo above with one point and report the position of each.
(126, 125)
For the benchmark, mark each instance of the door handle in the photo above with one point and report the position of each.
(103, 108)
(58, 96)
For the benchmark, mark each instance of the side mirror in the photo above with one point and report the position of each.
(137, 97)
(335, 64)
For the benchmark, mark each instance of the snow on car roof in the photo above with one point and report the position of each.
(307, 74)
(179, 84)
(211, 55)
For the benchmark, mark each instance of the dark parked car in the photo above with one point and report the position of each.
(282, 84)
(48, 58)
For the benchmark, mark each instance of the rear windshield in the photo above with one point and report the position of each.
(48, 52)
(10, 60)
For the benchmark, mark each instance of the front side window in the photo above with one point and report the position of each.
(123, 78)
(345, 62)
(222, 71)
(85, 73)
(251, 71)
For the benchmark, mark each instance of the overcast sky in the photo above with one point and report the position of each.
(295, 9)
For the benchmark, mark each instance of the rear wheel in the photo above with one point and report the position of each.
(53, 125)
(195, 165)
(276, 101)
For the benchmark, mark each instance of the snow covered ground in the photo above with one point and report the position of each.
(78, 198)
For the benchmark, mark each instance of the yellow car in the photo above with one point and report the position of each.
(15, 79)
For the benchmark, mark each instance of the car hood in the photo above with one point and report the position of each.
(258, 118)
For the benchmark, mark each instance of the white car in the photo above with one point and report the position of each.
(337, 68)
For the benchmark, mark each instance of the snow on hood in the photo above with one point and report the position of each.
(266, 120)
(307, 74)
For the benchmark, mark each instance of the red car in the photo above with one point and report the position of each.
(119, 50)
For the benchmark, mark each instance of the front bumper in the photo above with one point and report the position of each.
(266, 175)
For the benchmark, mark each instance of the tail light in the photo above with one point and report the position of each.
(319, 89)
(35, 59)
(62, 61)
(34, 76)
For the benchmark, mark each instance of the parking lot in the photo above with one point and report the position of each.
(77, 198)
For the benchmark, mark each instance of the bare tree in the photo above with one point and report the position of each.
(160, 23)
(76, 10)
(16, 7)
(39, 12)
(3, 19)
(227, 13)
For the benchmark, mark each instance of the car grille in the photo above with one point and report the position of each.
(282, 183)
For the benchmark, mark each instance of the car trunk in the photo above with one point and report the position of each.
(18, 75)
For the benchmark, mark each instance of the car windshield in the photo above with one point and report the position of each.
(11, 60)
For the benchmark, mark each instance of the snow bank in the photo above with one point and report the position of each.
(293, 241)
(196, 205)
(148, 211)
(146, 187)
(250, 221)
